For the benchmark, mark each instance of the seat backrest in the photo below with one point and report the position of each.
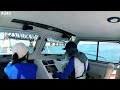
(100, 70)
(109, 71)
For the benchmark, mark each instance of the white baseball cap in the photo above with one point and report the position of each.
(21, 49)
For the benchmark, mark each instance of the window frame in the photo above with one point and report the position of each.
(97, 51)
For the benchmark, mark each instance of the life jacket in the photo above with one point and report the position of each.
(82, 57)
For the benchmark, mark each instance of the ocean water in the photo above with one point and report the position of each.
(107, 53)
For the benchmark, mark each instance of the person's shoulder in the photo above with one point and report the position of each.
(24, 64)
(82, 53)
(30, 65)
(71, 58)
(34, 65)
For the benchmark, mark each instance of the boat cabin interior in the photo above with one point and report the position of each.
(46, 33)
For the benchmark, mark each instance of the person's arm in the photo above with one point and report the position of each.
(88, 68)
(7, 69)
(9, 64)
(67, 71)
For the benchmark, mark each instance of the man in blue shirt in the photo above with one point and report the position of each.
(18, 68)
(77, 65)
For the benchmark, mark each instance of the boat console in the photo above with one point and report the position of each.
(46, 68)
(5, 58)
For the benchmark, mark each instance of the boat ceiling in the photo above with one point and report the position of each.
(84, 24)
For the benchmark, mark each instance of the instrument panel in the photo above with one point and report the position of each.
(50, 65)
(5, 58)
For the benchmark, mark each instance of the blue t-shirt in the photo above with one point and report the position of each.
(21, 71)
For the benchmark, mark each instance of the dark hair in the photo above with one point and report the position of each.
(70, 45)
(16, 60)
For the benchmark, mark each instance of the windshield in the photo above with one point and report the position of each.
(54, 46)
(8, 40)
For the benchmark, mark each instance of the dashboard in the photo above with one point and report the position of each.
(49, 64)
(5, 58)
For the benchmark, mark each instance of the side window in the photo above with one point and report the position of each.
(110, 51)
(89, 48)
(107, 51)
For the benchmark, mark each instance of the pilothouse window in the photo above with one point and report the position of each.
(110, 50)
(55, 46)
(89, 48)
(107, 51)
(9, 39)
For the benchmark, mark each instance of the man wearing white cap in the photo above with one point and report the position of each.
(17, 68)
